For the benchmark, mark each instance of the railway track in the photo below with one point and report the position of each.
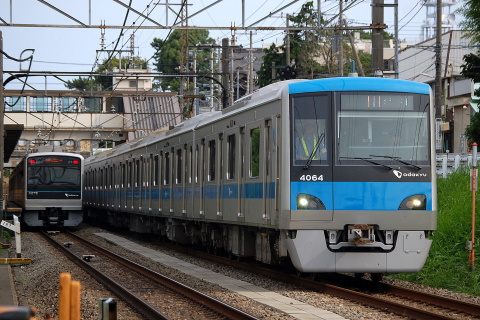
(394, 299)
(152, 294)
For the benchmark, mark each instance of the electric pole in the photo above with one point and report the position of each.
(438, 63)
(377, 35)
(2, 130)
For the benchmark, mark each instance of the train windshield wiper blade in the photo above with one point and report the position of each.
(315, 148)
(398, 159)
(368, 160)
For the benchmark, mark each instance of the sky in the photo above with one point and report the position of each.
(77, 49)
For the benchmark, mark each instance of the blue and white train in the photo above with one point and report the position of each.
(360, 198)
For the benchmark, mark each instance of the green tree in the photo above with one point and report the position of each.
(471, 68)
(312, 50)
(168, 53)
(305, 44)
(472, 131)
(470, 11)
(82, 84)
(272, 55)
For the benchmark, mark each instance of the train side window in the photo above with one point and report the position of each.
(255, 152)
(179, 167)
(137, 173)
(130, 173)
(231, 147)
(166, 177)
(190, 164)
(197, 170)
(110, 177)
(155, 170)
(185, 167)
(211, 160)
(124, 175)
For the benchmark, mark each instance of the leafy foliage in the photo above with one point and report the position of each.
(311, 50)
(272, 55)
(472, 131)
(168, 54)
(471, 68)
(82, 84)
(470, 11)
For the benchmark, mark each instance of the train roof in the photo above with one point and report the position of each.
(359, 84)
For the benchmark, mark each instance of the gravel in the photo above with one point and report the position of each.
(38, 284)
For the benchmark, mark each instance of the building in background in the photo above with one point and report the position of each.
(88, 122)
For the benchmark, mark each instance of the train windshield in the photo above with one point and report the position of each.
(54, 171)
(376, 127)
(311, 129)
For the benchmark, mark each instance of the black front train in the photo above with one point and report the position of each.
(47, 187)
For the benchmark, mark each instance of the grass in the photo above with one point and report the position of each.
(447, 265)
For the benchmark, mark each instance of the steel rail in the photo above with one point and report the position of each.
(218, 306)
(143, 307)
(366, 299)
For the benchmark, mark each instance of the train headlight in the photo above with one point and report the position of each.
(309, 202)
(415, 202)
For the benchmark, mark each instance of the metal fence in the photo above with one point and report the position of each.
(449, 162)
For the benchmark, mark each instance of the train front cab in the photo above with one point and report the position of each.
(365, 201)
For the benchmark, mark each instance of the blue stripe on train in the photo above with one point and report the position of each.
(361, 195)
(230, 191)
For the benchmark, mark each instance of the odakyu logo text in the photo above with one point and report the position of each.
(400, 174)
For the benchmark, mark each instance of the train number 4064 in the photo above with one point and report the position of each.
(311, 177)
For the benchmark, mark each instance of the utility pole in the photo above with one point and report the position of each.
(438, 62)
(340, 39)
(287, 42)
(377, 35)
(2, 130)
(225, 59)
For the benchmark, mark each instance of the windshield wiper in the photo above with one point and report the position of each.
(398, 159)
(315, 148)
(368, 160)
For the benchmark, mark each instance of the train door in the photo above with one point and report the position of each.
(125, 185)
(178, 186)
(271, 171)
(188, 199)
(229, 194)
(130, 184)
(210, 188)
(111, 181)
(118, 185)
(154, 196)
(199, 209)
(220, 179)
(254, 185)
(149, 183)
(167, 183)
(160, 163)
(242, 176)
(144, 185)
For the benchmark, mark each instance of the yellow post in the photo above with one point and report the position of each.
(75, 300)
(64, 296)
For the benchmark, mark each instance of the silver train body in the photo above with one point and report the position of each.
(363, 201)
(47, 187)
